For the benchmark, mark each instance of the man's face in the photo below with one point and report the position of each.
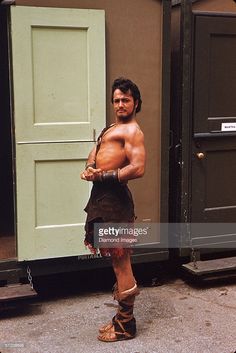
(124, 105)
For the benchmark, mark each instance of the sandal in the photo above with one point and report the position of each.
(106, 327)
(119, 331)
(123, 325)
(130, 295)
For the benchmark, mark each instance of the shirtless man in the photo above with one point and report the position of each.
(118, 157)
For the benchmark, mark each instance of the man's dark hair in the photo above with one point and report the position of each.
(124, 85)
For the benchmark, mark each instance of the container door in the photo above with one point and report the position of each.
(214, 131)
(58, 69)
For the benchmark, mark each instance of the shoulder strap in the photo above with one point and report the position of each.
(103, 132)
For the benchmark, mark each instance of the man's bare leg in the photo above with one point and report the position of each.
(123, 272)
(123, 324)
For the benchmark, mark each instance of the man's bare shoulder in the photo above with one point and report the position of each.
(132, 129)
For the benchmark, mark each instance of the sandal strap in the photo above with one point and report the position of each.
(119, 336)
(124, 315)
(123, 319)
(128, 294)
(123, 332)
(119, 330)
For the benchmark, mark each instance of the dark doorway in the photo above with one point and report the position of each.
(7, 233)
(213, 191)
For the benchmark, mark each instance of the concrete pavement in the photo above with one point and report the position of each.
(174, 317)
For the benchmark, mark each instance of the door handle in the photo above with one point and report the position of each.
(200, 155)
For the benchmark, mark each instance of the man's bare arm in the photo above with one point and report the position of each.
(91, 156)
(135, 152)
(90, 173)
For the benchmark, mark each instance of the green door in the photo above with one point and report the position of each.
(58, 69)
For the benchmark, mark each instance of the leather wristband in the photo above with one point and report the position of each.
(110, 176)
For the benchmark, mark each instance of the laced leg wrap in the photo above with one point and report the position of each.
(124, 321)
(125, 295)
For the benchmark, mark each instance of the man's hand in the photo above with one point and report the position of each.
(91, 174)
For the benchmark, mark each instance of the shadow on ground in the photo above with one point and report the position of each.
(101, 280)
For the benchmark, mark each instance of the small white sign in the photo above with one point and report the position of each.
(228, 126)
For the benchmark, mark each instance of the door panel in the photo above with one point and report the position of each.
(213, 194)
(51, 199)
(57, 65)
(58, 59)
(214, 146)
(214, 72)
